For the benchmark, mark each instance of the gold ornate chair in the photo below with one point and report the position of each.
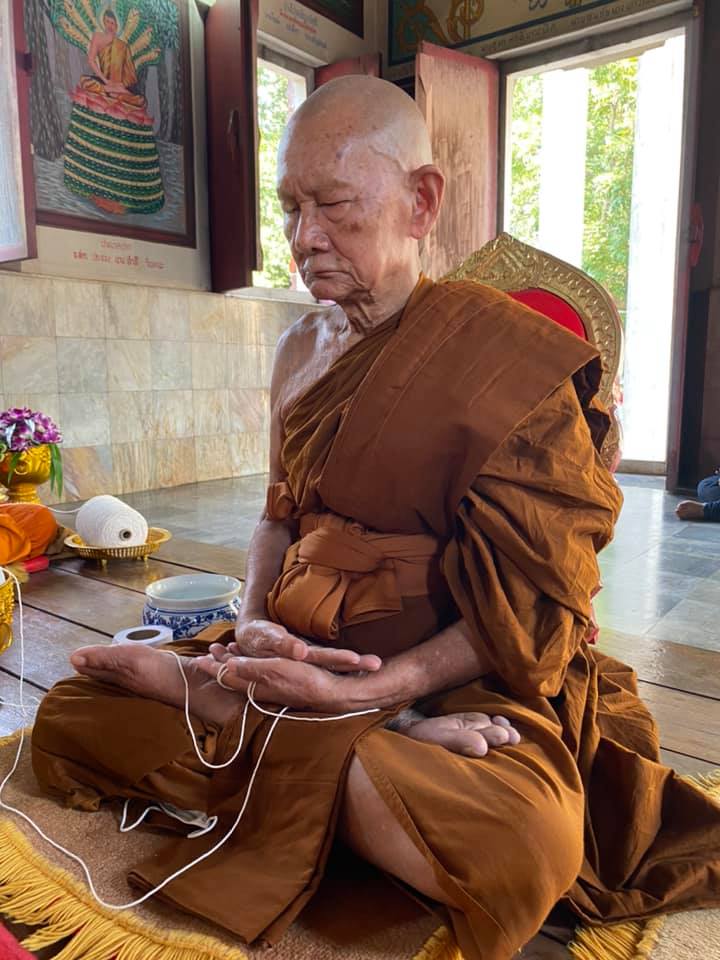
(566, 295)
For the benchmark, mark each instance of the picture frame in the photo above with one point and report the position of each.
(111, 117)
(349, 14)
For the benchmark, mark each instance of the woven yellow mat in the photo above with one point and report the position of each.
(357, 915)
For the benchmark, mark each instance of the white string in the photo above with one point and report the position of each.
(233, 758)
(74, 856)
(66, 513)
(19, 706)
(208, 853)
(289, 716)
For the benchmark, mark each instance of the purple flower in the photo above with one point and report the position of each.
(22, 428)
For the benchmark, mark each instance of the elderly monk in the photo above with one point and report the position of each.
(435, 509)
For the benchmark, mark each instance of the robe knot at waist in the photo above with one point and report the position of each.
(339, 574)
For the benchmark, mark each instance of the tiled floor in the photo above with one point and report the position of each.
(216, 511)
(662, 577)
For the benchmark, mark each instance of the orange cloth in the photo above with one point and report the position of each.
(469, 423)
(26, 531)
(117, 65)
(339, 573)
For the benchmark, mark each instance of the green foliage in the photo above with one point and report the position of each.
(272, 96)
(612, 101)
(527, 104)
(56, 469)
(608, 175)
(161, 15)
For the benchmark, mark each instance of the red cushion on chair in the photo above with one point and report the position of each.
(552, 306)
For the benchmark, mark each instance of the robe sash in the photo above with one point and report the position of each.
(339, 574)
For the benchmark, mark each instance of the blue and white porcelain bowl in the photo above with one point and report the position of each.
(192, 602)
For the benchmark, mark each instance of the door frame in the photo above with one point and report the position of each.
(615, 43)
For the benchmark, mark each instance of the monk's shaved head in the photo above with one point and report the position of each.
(358, 190)
(366, 109)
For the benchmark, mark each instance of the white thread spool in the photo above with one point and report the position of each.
(144, 636)
(106, 521)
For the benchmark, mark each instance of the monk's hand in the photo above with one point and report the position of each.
(279, 680)
(471, 734)
(263, 638)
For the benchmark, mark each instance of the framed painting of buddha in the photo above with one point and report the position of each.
(111, 117)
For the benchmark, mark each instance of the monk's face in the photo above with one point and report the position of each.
(110, 24)
(347, 211)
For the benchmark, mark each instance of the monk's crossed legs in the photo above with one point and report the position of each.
(366, 824)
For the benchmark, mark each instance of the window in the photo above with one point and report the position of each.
(280, 91)
(593, 175)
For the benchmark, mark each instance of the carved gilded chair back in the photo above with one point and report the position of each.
(516, 267)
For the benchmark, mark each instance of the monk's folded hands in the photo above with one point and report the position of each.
(303, 685)
(279, 680)
(264, 638)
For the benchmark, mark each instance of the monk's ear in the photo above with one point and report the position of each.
(428, 186)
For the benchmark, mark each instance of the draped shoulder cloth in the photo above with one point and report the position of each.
(466, 365)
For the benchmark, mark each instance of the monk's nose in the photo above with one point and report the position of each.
(309, 237)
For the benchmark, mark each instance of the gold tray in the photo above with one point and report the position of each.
(7, 600)
(155, 538)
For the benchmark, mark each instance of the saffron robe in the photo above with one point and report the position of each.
(26, 531)
(117, 65)
(458, 441)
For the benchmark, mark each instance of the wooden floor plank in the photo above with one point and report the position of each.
(688, 724)
(686, 765)
(129, 574)
(209, 557)
(49, 642)
(89, 603)
(662, 662)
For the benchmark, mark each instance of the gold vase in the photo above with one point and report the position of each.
(32, 469)
(7, 599)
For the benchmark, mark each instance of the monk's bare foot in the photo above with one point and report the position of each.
(471, 734)
(543, 948)
(155, 674)
(690, 510)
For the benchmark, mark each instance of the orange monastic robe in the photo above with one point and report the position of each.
(26, 531)
(443, 467)
(116, 62)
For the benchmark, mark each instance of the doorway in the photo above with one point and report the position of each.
(593, 149)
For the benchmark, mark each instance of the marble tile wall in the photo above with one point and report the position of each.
(150, 387)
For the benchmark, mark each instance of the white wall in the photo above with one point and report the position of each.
(299, 31)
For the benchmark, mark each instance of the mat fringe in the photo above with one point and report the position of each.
(38, 894)
(635, 939)
(440, 946)
(35, 893)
